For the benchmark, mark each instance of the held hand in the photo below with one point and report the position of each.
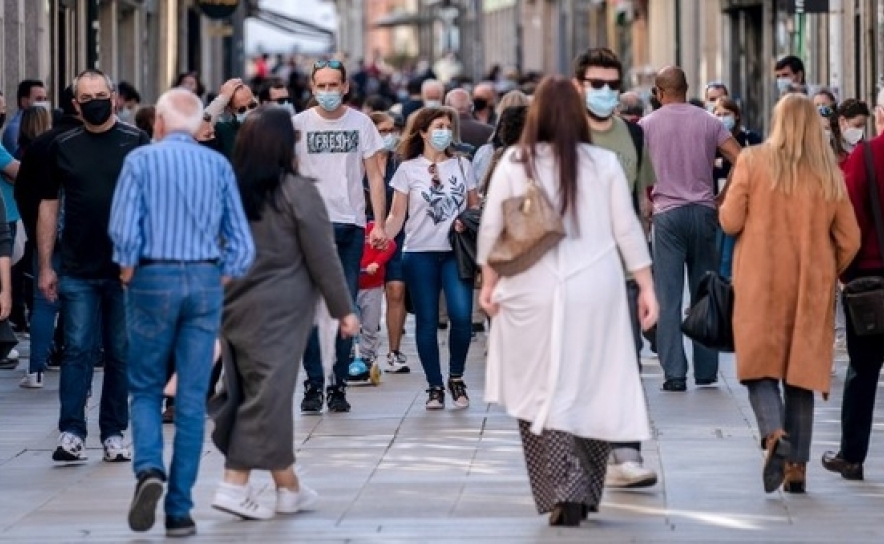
(458, 226)
(648, 310)
(225, 280)
(48, 284)
(5, 304)
(491, 308)
(349, 326)
(378, 237)
(372, 269)
(126, 274)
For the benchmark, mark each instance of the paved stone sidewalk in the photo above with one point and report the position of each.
(390, 472)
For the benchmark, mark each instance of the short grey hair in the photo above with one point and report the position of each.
(181, 110)
(460, 100)
(92, 74)
(429, 84)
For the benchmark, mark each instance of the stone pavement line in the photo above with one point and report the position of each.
(391, 472)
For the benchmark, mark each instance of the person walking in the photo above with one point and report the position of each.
(560, 324)
(682, 141)
(787, 205)
(174, 204)
(866, 353)
(85, 166)
(433, 186)
(268, 316)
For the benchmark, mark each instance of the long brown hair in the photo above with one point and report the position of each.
(412, 144)
(34, 121)
(557, 116)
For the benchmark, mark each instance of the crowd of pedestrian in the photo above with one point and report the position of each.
(207, 246)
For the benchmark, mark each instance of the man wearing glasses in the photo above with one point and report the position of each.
(85, 165)
(275, 92)
(242, 102)
(337, 148)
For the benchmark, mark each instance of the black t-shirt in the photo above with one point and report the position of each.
(86, 166)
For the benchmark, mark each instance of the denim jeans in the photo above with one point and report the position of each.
(726, 243)
(172, 309)
(427, 274)
(350, 241)
(43, 320)
(683, 236)
(93, 308)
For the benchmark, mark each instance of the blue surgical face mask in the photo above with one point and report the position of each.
(241, 117)
(729, 122)
(783, 84)
(391, 141)
(432, 103)
(440, 139)
(602, 102)
(329, 100)
(289, 107)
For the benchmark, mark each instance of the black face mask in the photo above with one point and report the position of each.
(2, 119)
(479, 104)
(96, 112)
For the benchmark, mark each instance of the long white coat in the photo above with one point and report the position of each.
(561, 353)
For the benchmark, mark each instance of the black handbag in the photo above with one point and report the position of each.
(864, 297)
(710, 320)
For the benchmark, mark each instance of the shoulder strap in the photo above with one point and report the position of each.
(638, 140)
(875, 197)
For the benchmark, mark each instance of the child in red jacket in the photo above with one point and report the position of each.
(370, 298)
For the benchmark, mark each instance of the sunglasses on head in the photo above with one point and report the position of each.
(250, 106)
(333, 64)
(434, 172)
(825, 111)
(613, 84)
(715, 85)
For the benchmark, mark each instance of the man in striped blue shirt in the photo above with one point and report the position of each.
(174, 203)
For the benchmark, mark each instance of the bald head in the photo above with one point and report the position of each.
(460, 100)
(672, 84)
(178, 110)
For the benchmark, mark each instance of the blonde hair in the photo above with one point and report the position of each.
(800, 152)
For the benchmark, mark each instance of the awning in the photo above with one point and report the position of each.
(402, 19)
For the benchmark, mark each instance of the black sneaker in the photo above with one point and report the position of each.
(148, 490)
(675, 386)
(312, 403)
(337, 399)
(178, 527)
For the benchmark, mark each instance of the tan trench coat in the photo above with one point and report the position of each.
(789, 252)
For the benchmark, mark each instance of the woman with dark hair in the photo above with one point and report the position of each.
(561, 354)
(191, 82)
(145, 117)
(433, 186)
(269, 313)
(506, 134)
(848, 126)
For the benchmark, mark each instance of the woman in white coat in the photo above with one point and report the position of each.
(561, 358)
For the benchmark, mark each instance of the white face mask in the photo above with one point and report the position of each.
(432, 103)
(853, 135)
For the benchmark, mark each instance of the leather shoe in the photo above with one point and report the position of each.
(676, 386)
(835, 463)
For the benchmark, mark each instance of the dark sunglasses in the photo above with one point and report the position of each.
(613, 84)
(825, 111)
(333, 64)
(282, 101)
(251, 105)
(435, 173)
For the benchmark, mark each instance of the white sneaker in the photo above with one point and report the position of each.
(70, 448)
(289, 502)
(629, 475)
(396, 363)
(13, 354)
(238, 500)
(115, 450)
(32, 380)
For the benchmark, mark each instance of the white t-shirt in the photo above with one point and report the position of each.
(332, 151)
(432, 210)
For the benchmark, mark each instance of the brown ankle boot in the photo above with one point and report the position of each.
(796, 476)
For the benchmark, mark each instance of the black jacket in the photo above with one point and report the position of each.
(34, 172)
(464, 243)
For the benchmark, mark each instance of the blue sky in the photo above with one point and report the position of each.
(268, 38)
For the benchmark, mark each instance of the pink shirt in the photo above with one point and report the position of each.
(682, 140)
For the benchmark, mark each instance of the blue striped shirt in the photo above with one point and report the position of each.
(177, 200)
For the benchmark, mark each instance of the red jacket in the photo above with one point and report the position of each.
(371, 255)
(869, 256)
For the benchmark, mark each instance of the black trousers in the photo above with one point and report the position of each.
(866, 358)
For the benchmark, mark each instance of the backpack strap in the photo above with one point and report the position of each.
(638, 140)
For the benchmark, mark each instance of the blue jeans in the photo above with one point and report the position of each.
(683, 237)
(427, 274)
(43, 319)
(350, 241)
(91, 309)
(727, 243)
(172, 308)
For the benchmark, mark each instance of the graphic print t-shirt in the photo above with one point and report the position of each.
(332, 151)
(432, 209)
